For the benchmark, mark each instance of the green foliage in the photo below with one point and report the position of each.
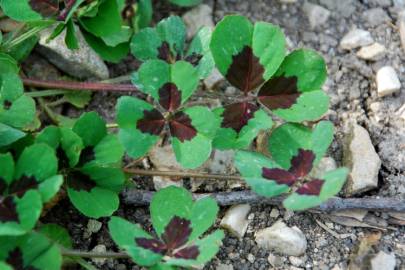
(178, 222)
(186, 3)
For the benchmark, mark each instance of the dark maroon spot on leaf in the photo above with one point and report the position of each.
(7, 105)
(169, 97)
(176, 232)
(311, 188)
(8, 210)
(21, 186)
(65, 11)
(46, 8)
(63, 160)
(245, 72)
(16, 260)
(193, 58)
(302, 163)
(86, 156)
(165, 53)
(153, 122)
(80, 181)
(3, 186)
(154, 245)
(237, 115)
(280, 176)
(188, 253)
(279, 92)
(181, 127)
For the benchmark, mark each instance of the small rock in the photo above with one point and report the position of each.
(317, 15)
(198, 17)
(83, 63)
(387, 81)
(160, 182)
(99, 249)
(343, 8)
(282, 239)
(274, 213)
(359, 155)
(235, 220)
(213, 80)
(288, 214)
(325, 165)
(375, 17)
(356, 38)
(275, 261)
(288, 1)
(383, 261)
(94, 226)
(372, 52)
(297, 261)
(251, 258)
(222, 266)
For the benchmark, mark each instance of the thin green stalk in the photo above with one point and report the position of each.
(33, 31)
(47, 93)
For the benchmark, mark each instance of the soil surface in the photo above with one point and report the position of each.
(352, 89)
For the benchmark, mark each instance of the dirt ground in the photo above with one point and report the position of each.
(352, 89)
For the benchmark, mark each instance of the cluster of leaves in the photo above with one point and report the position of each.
(178, 222)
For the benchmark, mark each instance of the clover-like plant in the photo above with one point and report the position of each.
(91, 160)
(191, 129)
(178, 224)
(17, 111)
(252, 58)
(32, 251)
(24, 186)
(167, 42)
(295, 151)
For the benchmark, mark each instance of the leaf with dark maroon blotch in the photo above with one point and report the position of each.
(20, 186)
(312, 187)
(176, 232)
(46, 8)
(169, 97)
(193, 59)
(153, 122)
(151, 244)
(165, 52)
(279, 92)
(181, 127)
(245, 72)
(187, 253)
(280, 176)
(3, 186)
(8, 210)
(302, 163)
(237, 115)
(79, 181)
(86, 155)
(15, 259)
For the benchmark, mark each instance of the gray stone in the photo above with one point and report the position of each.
(317, 15)
(326, 164)
(235, 220)
(360, 157)
(282, 239)
(343, 8)
(213, 80)
(274, 213)
(198, 17)
(99, 249)
(383, 261)
(401, 27)
(372, 52)
(222, 266)
(356, 38)
(94, 226)
(387, 81)
(375, 17)
(275, 261)
(82, 63)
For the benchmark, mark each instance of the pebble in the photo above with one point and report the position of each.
(82, 63)
(360, 157)
(198, 17)
(317, 15)
(275, 261)
(372, 52)
(251, 258)
(282, 239)
(383, 261)
(222, 266)
(375, 17)
(401, 27)
(356, 38)
(213, 80)
(343, 8)
(387, 81)
(235, 220)
(99, 249)
(275, 213)
(297, 261)
(94, 226)
(326, 164)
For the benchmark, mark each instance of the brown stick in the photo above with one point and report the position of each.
(142, 197)
(183, 174)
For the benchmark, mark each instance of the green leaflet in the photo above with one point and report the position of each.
(19, 10)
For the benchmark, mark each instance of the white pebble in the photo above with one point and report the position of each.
(387, 81)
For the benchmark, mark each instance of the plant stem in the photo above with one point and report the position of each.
(143, 197)
(46, 93)
(183, 174)
(112, 125)
(33, 31)
(89, 254)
